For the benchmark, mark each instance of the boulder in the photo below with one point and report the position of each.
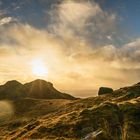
(105, 90)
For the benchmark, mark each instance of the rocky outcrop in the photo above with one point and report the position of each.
(105, 90)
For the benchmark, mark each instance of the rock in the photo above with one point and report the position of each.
(105, 90)
(97, 135)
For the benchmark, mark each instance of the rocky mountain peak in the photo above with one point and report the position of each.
(13, 83)
(38, 89)
(40, 82)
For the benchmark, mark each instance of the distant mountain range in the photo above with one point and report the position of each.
(38, 89)
(33, 113)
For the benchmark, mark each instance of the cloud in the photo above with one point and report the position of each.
(70, 49)
(84, 20)
(6, 20)
(76, 13)
(6, 51)
(69, 66)
(133, 45)
(74, 75)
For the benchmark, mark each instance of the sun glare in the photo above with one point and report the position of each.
(39, 68)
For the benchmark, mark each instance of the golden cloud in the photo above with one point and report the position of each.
(73, 62)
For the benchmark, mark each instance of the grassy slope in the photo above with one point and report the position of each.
(106, 117)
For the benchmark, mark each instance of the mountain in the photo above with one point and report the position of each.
(12, 90)
(39, 89)
(112, 116)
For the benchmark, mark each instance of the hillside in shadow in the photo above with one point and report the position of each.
(110, 116)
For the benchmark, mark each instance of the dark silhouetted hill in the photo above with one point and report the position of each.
(39, 89)
(12, 90)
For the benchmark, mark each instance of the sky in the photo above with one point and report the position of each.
(78, 45)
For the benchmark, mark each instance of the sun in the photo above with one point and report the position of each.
(39, 68)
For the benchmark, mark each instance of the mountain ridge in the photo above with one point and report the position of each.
(36, 89)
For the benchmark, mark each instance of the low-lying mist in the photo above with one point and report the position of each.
(6, 110)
